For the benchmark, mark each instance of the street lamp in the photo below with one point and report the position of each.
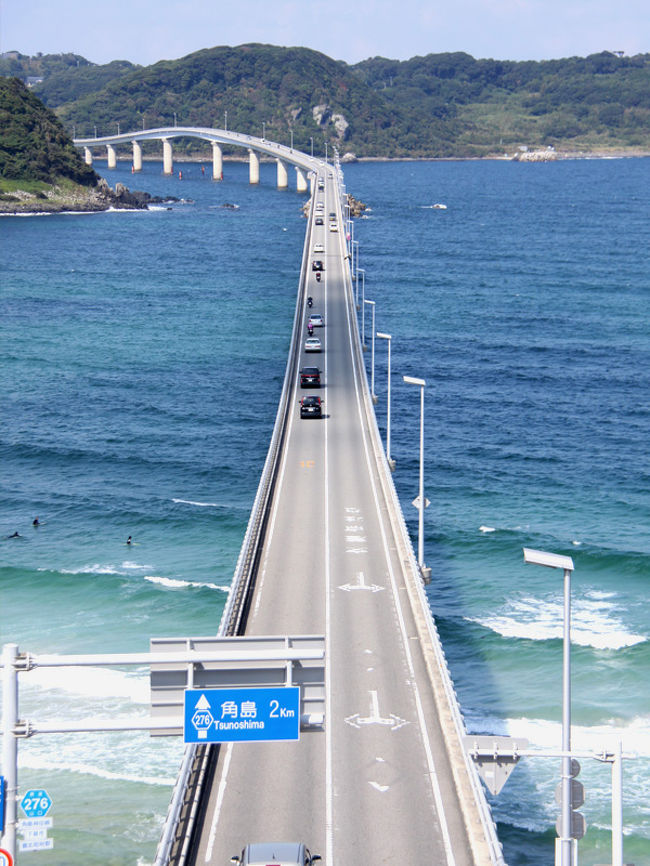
(361, 271)
(174, 118)
(391, 463)
(420, 501)
(225, 121)
(311, 140)
(95, 132)
(355, 259)
(325, 151)
(263, 130)
(372, 363)
(555, 560)
(118, 127)
(291, 140)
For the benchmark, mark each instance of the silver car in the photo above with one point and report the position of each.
(275, 854)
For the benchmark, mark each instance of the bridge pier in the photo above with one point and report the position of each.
(253, 167)
(137, 156)
(88, 156)
(283, 180)
(168, 163)
(217, 162)
(110, 154)
(301, 180)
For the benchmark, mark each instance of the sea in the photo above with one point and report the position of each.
(143, 355)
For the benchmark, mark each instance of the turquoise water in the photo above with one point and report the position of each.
(142, 361)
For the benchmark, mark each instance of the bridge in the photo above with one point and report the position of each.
(256, 147)
(383, 777)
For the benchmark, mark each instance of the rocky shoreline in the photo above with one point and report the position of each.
(77, 199)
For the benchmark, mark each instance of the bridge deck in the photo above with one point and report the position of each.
(376, 786)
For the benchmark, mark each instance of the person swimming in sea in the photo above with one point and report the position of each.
(35, 522)
(128, 540)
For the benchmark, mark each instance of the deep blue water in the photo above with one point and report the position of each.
(142, 361)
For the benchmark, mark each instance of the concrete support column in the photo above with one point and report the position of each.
(168, 163)
(88, 156)
(110, 153)
(137, 156)
(283, 180)
(301, 180)
(253, 167)
(217, 161)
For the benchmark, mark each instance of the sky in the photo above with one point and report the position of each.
(145, 31)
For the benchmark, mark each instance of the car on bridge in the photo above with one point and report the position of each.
(317, 265)
(334, 227)
(319, 221)
(313, 344)
(319, 248)
(311, 407)
(316, 321)
(310, 377)
(275, 854)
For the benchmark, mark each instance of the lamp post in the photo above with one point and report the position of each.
(363, 317)
(174, 118)
(355, 259)
(225, 121)
(361, 271)
(372, 363)
(325, 151)
(95, 131)
(311, 141)
(555, 560)
(291, 140)
(391, 462)
(421, 384)
(118, 127)
(263, 130)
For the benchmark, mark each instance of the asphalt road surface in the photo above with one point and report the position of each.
(373, 787)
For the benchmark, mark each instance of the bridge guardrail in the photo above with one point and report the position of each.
(198, 760)
(401, 534)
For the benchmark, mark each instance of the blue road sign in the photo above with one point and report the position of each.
(2, 804)
(36, 803)
(242, 715)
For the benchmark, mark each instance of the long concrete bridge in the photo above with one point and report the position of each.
(385, 778)
(304, 165)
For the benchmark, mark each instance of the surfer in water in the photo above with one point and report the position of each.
(35, 522)
(128, 540)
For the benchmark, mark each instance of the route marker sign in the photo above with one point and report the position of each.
(5, 858)
(36, 803)
(242, 715)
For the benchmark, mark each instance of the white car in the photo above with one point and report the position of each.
(316, 320)
(319, 248)
(276, 853)
(313, 344)
(334, 227)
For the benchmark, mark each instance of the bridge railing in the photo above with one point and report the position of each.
(194, 770)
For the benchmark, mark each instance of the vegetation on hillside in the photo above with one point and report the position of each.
(432, 106)
(34, 146)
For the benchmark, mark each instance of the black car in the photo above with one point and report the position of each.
(311, 407)
(319, 221)
(310, 377)
(317, 265)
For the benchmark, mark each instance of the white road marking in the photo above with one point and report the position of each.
(381, 788)
(329, 772)
(361, 584)
(218, 804)
(392, 721)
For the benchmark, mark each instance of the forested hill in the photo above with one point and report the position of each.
(33, 143)
(438, 105)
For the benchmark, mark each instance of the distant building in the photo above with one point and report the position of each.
(31, 80)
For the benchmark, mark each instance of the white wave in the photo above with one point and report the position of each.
(32, 761)
(593, 622)
(135, 566)
(483, 528)
(198, 504)
(547, 735)
(104, 683)
(172, 583)
(90, 569)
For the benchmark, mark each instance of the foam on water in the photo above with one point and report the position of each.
(89, 682)
(171, 583)
(594, 622)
